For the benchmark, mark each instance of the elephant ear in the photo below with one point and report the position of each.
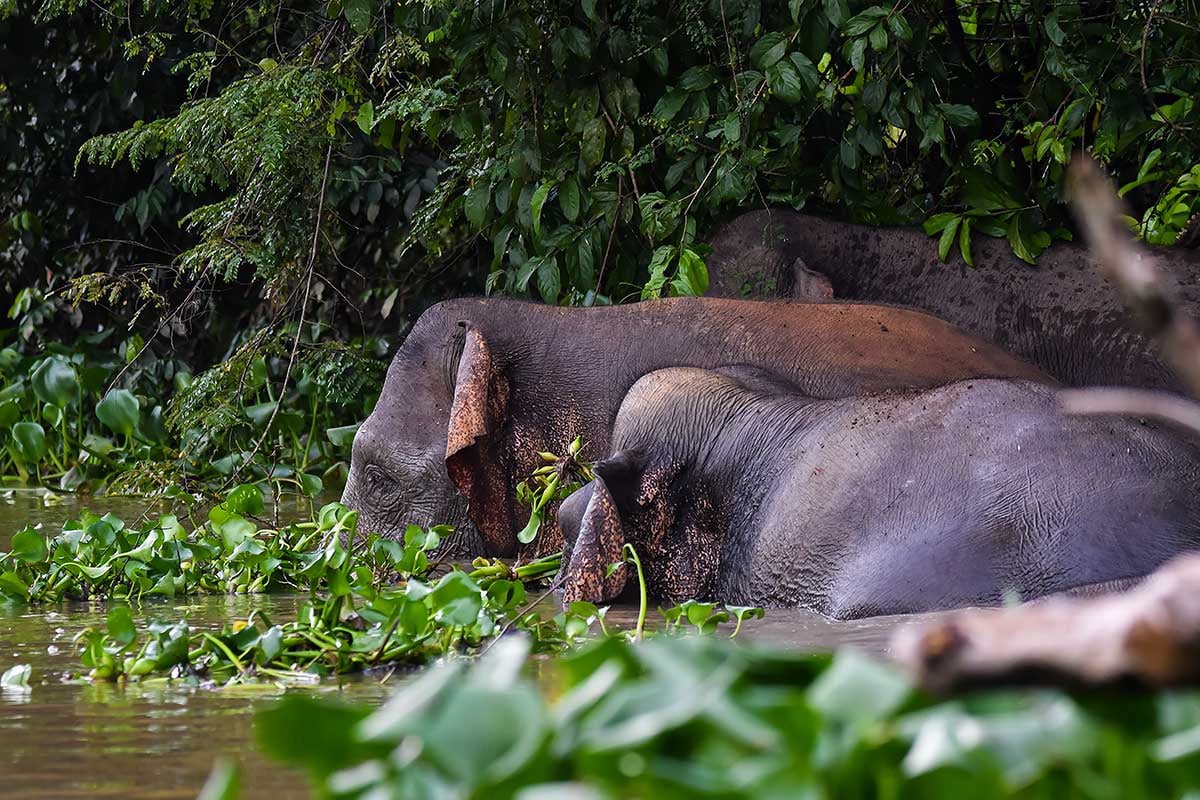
(810, 285)
(474, 458)
(599, 545)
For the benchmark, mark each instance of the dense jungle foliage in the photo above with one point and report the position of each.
(242, 184)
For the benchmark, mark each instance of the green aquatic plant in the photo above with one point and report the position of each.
(63, 422)
(352, 626)
(101, 557)
(558, 478)
(696, 717)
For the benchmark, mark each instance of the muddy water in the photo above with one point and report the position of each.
(66, 740)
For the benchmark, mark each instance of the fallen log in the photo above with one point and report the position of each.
(1147, 635)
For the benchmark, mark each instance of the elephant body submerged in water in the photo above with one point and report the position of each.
(734, 486)
(479, 387)
(1060, 314)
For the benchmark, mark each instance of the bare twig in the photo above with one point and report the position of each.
(287, 374)
(612, 233)
(1135, 402)
(1132, 269)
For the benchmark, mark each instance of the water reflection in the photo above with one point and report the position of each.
(159, 740)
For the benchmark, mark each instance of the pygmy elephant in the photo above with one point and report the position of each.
(1060, 314)
(479, 387)
(736, 487)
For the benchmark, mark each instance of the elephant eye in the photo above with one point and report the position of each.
(377, 483)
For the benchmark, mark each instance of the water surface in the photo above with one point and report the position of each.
(66, 740)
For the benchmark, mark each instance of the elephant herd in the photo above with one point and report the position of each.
(846, 457)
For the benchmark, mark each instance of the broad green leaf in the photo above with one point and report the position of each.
(246, 498)
(535, 207)
(10, 412)
(343, 436)
(54, 382)
(311, 485)
(837, 11)
(328, 742)
(858, 54)
(260, 413)
(959, 115)
(669, 104)
(659, 61)
(30, 441)
(807, 71)
(119, 412)
(548, 280)
(964, 242)
(938, 222)
(366, 117)
(16, 677)
(1053, 29)
(29, 545)
(1027, 242)
(785, 82)
(731, 127)
(879, 38)
(568, 198)
(12, 585)
(358, 14)
(947, 240)
(860, 24)
(899, 26)
(592, 144)
(858, 689)
(530, 531)
(691, 277)
(121, 627)
(456, 599)
(874, 94)
(768, 50)
(477, 204)
(698, 78)
(587, 261)
(661, 259)
(848, 151)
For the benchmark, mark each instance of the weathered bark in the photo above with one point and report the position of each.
(1149, 634)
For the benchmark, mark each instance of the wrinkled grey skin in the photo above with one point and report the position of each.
(563, 372)
(1060, 314)
(881, 505)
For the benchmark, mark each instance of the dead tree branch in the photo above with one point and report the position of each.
(1147, 293)
(1163, 406)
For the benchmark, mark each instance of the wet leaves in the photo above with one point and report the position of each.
(696, 717)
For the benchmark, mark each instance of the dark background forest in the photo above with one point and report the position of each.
(278, 188)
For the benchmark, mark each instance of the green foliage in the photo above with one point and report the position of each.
(696, 717)
(582, 153)
(60, 422)
(340, 163)
(555, 480)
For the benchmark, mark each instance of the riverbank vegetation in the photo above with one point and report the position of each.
(695, 717)
(223, 186)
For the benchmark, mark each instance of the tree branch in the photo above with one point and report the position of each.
(1101, 218)
(1136, 402)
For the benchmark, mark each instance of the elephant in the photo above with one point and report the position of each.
(1060, 315)
(735, 486)
(481, 386)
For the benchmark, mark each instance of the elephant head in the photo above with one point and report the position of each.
(430, 446)
(641, 500)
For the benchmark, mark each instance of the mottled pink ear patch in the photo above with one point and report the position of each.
(810, 284)
(473, 456)
(600, 544)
